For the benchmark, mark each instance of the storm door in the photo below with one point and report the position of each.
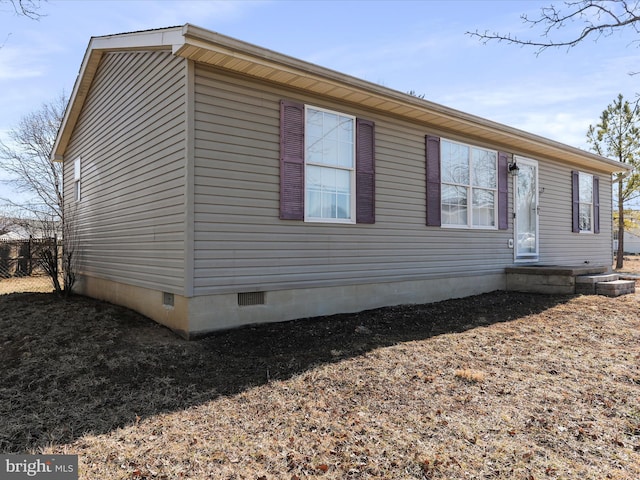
(526, 210)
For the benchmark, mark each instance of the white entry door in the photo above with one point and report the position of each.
(526, 210)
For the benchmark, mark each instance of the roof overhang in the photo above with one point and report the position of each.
(207, 47)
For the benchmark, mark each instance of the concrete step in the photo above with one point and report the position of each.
(629, 276)
(552, 279)
(586, 284)
(616, 288)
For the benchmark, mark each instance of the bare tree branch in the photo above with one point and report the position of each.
(26, 156)
(23, 8)
(26, 8)
(597, 17)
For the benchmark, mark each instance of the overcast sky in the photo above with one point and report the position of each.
(416, 45)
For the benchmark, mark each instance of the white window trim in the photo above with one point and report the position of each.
(352, 180)
(581, 174)
(470, 188)
(77, 165)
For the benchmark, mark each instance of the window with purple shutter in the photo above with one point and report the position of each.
(585, 201)
(291, 160)
(292, 165)
(365, 172)
(596, 204)
(432, 148)
(503, 191)
(575, 201)
(459, 179)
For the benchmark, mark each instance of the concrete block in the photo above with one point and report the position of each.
(585, 288)
(540, 282)
(609, 277)
(586, 284)
(616, 288)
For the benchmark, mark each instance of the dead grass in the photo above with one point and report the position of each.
(469, 375)
(498, 386)
(25, 284)
(630, 264)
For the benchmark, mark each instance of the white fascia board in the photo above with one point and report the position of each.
(155, 39)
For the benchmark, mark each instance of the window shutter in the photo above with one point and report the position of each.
(596, 204)
(291, 160)
(365, 172)
(503, 191)
(432, 149)
(575, 200)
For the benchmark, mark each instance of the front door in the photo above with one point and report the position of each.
(526, 210)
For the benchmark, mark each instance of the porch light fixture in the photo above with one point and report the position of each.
(514, 168)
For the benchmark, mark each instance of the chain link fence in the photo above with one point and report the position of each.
(21, 265)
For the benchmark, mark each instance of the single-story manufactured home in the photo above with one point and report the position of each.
(216, 183)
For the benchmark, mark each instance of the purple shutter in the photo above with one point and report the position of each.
(596, 204)
(503, 191)
(365, 172)
(575, 201)
(291, 160)
(432, 149)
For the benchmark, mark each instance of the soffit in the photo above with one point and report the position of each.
(223, 52)
(207, 47)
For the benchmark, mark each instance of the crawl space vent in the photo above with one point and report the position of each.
(250, 298)
(167, 299)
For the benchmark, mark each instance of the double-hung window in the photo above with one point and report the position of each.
(469, 195)
(586, 202)
(329, 166)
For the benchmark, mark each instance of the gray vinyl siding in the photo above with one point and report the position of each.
(131, 139)
(242, 245)
(558, 244)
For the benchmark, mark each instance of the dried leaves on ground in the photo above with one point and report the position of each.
(500, 386)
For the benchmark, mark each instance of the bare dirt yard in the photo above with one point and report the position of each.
(496, 386)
